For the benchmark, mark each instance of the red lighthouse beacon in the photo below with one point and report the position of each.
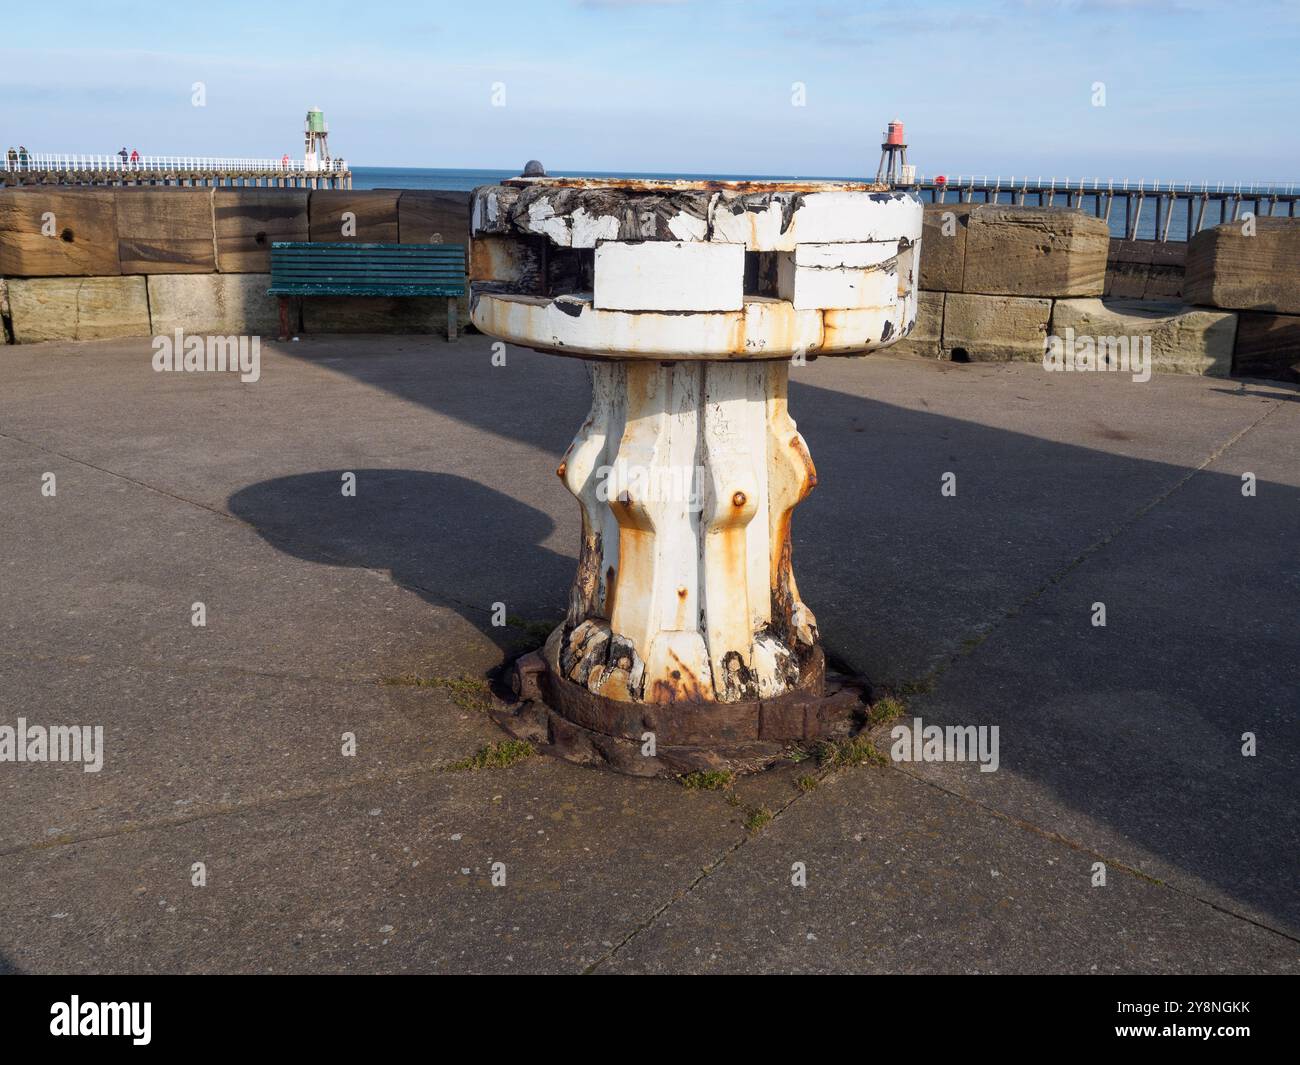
(893, 157)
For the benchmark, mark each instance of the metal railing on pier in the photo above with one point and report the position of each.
(1134, 210)
(60, 168)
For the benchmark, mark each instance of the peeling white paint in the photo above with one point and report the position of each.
(669, 276)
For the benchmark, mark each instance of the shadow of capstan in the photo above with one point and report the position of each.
(1127, 737)
(438, 535)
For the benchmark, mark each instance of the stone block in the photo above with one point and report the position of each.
(433, 216)
(1127, 280)
(58, 233)
(926, 336)
(226, 304)
(1188, 340)
(249, 220)
(371, 216)
(982, 328)
(1226, 268)
(165, 230)
(1035, 251)
(78, 308)
(943, 258)
(1267, 345)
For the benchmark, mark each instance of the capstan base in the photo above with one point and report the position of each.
(566, 720)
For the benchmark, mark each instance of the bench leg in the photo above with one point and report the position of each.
(284, 317)
(451, 319)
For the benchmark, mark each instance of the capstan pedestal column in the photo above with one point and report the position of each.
(686, 644)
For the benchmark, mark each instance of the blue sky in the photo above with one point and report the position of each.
(1195, 89)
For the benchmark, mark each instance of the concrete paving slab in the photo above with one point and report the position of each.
(1070, 488)
(902, 877)
(381, 877)
(1129, 738)
(184, 742)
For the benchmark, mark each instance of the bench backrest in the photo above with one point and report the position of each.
(367, 269)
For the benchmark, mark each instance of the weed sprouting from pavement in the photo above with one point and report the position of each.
(886, 709)
(495, 756)
(708, 780)
(842, 754)
(468, 693)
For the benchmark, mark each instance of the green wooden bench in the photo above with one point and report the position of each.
(357, 269)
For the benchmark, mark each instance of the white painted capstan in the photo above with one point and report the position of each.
(690, 300)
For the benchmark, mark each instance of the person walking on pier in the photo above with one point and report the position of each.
(11, 158)
(123, 153)
(135, 157)
(22, 157)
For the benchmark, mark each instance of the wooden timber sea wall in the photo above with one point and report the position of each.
(83, 263)
(996, 280)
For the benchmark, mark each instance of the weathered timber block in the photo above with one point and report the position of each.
(943, 265)
(669, 276)
(433, 216)
(926, 336)
(1267, 345)
(50, 232)
(583, 213)
(779, 221)
(994, 328)
(165, 230)
(249, 220)
(374, 314)
(1186, 340)
(839, 276)
(78, 308)
(520, 264)
(339, 215)
(1227, 268)
(212, 303)
(1034, 251)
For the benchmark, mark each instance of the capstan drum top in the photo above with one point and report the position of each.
(714, 270)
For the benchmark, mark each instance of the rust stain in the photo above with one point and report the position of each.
(738, 500)
(680, 686)
(561, 470)
(610, 588)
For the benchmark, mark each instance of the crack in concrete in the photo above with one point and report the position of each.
(1083, 848)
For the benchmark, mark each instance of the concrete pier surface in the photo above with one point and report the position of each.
(371, 615)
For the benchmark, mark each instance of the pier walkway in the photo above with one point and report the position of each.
(372, 615)
(1135, 210)
(45, 168)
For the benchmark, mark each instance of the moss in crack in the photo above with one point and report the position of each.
(757, 818)
(708, 780)
(843, 754)
(468, 693)
(807, 782)
(495, 756)
(885, 710)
